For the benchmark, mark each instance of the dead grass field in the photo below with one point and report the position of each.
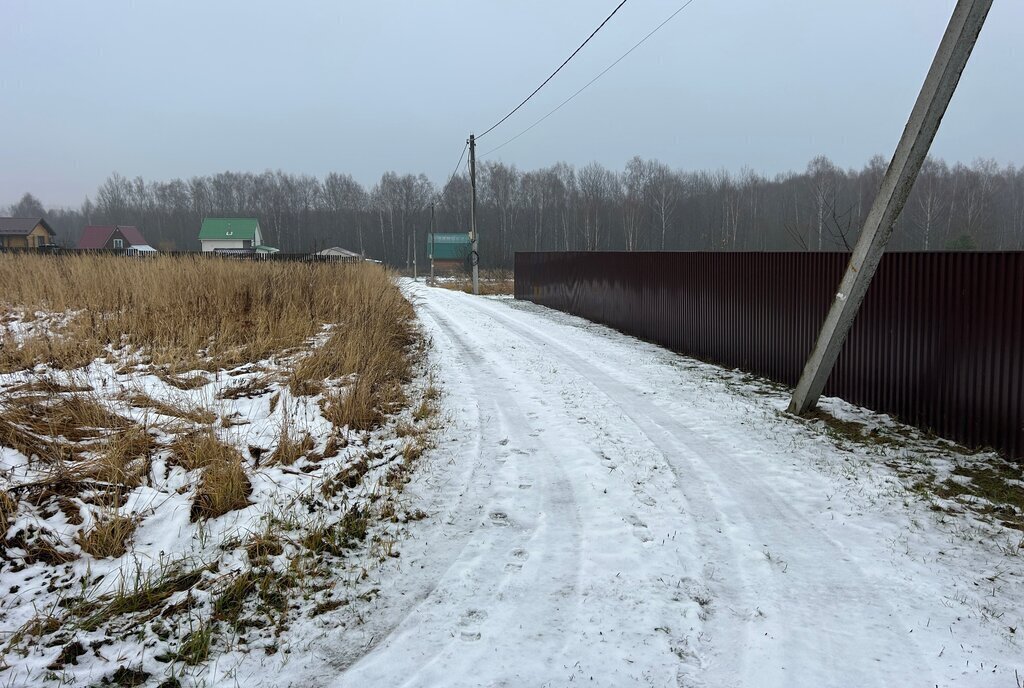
(180, 311)
(492, 283)
(270, 410)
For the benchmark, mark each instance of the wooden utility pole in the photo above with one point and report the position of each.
(939, 85)
(415, 275)
(474, 254)
(432, 230)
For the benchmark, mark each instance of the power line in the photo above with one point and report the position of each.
(455, 171)
(493, 126)
(587, 85)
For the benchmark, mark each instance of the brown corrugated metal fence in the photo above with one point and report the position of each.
(937, 343)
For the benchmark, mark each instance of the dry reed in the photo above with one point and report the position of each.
(199, 450)
(8, 508)
(491, 283)
(123, 458)
(322, 324)
(224, 487)
(108, 537)
(174, 308)
(195, 414)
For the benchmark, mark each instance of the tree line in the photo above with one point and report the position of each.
(645, 206)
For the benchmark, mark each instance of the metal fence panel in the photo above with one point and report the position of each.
(938, 342)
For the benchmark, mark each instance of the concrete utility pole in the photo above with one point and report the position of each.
(939, 85)
(474, 254)
(432, 230)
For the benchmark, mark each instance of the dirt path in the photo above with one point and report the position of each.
(626, 521)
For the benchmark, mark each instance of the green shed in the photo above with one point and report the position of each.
(448, 247)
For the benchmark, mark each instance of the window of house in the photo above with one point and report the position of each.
(118, 243)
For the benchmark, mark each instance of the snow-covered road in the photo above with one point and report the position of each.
(606, 512)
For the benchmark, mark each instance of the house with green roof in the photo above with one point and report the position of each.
(448, 250)
(233, 235)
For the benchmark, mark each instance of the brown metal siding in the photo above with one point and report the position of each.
(937, 343)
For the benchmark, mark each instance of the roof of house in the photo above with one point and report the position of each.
(23, 225)
(448, 238)
(229, 228)
(448, 246)
(338, 251)
(97, 236)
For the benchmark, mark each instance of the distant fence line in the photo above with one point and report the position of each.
(938, 343)
(226, 255)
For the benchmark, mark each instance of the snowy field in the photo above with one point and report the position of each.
(169, 510)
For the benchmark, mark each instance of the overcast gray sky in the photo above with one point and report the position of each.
(174, 88)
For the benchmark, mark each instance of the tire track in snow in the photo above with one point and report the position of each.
(554, 532)
(824, 603)
(528, 527)
(534, 383)
(721, 566)
(690, 529)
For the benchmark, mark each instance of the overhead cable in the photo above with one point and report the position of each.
(587, 85)
(516, 108)
(455, 171)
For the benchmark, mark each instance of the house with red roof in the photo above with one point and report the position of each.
(112, 238)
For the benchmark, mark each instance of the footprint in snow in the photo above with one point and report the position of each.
(472, 616)
(646, 499)
(521, 555)
(499, 518)
(639, 528)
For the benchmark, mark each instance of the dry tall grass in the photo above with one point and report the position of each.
(173, 308)
(108, 537)
(224, 487)
(188, 313)
(195, 312)
(491, 282)
(340, 332)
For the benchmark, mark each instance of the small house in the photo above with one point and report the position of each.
(25, 232)
(233, 235)
(113, 238)
(448, 251)
(340, 254)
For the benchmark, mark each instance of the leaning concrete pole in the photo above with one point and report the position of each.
(939, 85)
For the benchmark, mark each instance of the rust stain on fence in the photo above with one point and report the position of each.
(937, 343)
